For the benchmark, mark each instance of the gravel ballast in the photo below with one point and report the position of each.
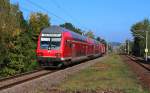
(50, 80)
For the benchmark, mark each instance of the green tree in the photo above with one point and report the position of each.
(16, 44)
(98, 39)
(37, 21)
(6, 30)
(71, 27)
(90, 34)
(138, 31)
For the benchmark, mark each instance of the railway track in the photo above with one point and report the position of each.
(140, 68)
(141, 62)
(21, 78)
(14, 76)
(10, 82)
(33, 83)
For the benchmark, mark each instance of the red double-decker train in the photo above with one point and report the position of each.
(58, 46)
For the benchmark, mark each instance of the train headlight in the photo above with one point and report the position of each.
(39, 54)
(58, 55)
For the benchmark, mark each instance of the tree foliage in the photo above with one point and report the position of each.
(18, 38)
(90, 34)
(71, 27)
(138, 31)
(37, 21)
(98, 38)
(17, 46)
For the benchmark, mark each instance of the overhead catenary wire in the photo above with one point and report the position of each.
(53, 14)
(62, 9)
(29, 10)
(67, 13)
(46, 10)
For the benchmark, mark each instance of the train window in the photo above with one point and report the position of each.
(50, 43)
(45, 43)
(55, 43)
(68, 43)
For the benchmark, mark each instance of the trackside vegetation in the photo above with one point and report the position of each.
(110, 75)
(138, 31)
(18, 38)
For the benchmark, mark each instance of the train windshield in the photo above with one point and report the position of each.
(50, 43)
(55, 43)
(45, 42)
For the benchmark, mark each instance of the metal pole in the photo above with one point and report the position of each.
(128, 47)
(125, 47)
(146, 45)
(107, 48)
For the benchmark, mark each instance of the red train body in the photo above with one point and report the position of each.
(58, 46)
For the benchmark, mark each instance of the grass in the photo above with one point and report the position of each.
(110, 74)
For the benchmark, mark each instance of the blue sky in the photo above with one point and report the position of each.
(109, 19)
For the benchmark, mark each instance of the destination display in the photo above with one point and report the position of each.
(45, 39)
(51, 35)
(56, 39)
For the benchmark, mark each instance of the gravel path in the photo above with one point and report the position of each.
(50, 80)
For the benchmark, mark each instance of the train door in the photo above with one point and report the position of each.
(73, 50)
(86, 50)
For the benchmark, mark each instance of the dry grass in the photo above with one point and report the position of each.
(111, 76)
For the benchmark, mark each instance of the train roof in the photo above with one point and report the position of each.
(57, 30)
(54, 29)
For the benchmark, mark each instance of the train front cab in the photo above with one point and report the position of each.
(49, 49)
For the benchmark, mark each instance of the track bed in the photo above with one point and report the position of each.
(141, 68)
